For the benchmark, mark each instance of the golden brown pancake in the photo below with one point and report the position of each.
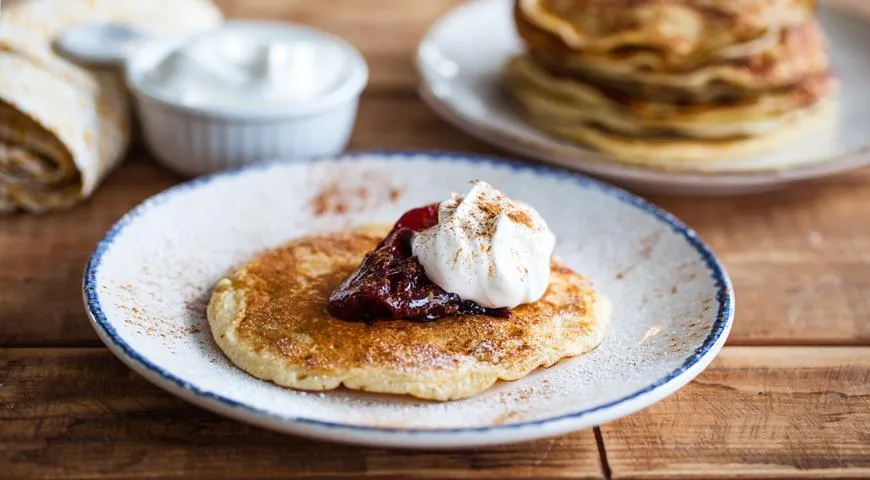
(543, 110)
(629, 58)
(675, 27)
(799, 52)
(668, 135)
(555, 99)
(688, 153)
(675, 84)
(270, 319)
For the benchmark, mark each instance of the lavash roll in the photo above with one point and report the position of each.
(64, 127)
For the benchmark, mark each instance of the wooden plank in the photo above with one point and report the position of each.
(771, 412)
(81, 413)
(783, 412)
(385, 31)
(799, 259)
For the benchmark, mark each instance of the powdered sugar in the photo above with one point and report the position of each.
(156, 276)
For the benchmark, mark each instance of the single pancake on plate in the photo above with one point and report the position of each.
(270, 318)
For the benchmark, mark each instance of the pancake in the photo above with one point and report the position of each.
(675, 84)
(545, 109)
(270, 319)
(686, 153)
(676, 27)
(545, 95)
(550, 100)
(634, 57)
(800, 51)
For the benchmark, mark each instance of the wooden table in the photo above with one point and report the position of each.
(788, 397)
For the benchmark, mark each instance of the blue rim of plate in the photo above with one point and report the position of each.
(724, 289)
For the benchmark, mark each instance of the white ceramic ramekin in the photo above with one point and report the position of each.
(195, 140)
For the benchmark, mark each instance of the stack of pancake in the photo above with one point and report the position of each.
(673, 83)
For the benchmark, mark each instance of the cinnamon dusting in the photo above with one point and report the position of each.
(337, 198)
(329, 200)
(491, 209)
(521, 217)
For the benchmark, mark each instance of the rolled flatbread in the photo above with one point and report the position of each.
(64, 127)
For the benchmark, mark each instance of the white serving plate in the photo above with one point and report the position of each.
(459, 62)
(148, 281)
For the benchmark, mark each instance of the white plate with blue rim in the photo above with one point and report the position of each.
(460, 80)
(148, 281)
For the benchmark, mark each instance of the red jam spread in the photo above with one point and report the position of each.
(391, 283)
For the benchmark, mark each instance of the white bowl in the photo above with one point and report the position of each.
(194, 140)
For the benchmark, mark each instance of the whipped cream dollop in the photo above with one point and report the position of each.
(237, 67)
(487, 248)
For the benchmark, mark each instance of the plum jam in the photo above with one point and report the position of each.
(391, 283)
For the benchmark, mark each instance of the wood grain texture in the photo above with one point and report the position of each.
(799, 259)
(774, 412)
(80, 413)
(779, 412)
